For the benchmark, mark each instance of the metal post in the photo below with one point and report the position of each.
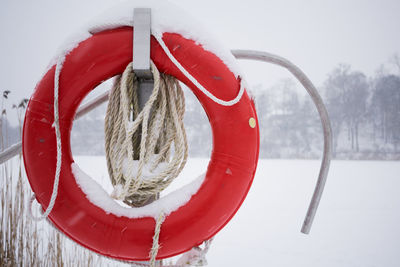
(141, 64)
(141, 53)
(141, 58)
(141, 42)
(326, 125)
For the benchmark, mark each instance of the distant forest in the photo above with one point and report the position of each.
(364, 112)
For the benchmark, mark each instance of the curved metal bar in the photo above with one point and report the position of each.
(264, 57)
(10, 152)
(326, 125)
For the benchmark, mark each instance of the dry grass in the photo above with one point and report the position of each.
(24, 242)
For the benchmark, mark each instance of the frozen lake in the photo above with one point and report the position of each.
(357, 223)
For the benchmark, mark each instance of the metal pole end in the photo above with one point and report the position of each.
(305, 229)
(141, 42)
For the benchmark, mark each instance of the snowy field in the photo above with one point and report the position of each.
(357, 224)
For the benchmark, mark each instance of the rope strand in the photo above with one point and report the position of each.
(56, 125)
(156, 246)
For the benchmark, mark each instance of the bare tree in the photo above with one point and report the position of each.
(346, 94)
(395, 60)
(386, 105)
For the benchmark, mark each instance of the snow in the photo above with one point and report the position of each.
(99, 197)
(356, 224)
(163, 19)
(130, 167)
(67, 46)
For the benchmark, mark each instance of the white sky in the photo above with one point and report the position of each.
(316, 35)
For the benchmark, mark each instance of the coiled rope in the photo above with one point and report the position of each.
(145, 148)
(139, 143)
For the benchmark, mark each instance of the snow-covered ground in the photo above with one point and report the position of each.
(357, 223)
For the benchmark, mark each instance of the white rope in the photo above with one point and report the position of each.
(197, 83)
(194, 257)
(156, 246)
(158, 37)
(56, 125)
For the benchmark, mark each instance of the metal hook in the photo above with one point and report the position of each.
(326, 125)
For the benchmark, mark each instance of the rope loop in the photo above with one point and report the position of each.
(145, 149)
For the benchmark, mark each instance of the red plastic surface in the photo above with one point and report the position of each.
(229, 174)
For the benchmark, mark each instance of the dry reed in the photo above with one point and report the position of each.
(24, 242)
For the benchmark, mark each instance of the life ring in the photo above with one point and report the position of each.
(230, 171)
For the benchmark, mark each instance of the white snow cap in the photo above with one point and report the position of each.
(164, 18)
(99, 197)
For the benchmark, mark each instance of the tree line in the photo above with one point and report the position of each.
(364, 113)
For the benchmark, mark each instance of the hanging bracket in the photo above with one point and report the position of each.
(141, 42)
(141, 53)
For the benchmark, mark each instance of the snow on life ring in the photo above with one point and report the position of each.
(230, 171)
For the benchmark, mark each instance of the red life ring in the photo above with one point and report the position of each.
(230, 171)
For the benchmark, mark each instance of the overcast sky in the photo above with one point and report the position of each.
(316, 35)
